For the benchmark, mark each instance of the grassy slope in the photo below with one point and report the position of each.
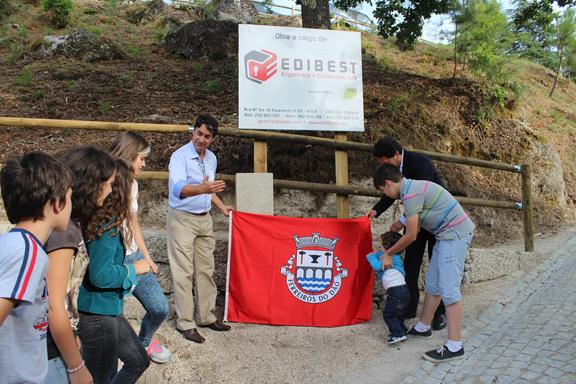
(407, 94)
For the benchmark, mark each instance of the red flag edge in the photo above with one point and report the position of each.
(228, 266)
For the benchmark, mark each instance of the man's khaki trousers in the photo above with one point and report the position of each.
(191, 246)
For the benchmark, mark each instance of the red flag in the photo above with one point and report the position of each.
(291, 271)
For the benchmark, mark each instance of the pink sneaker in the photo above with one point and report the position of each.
(158, 353)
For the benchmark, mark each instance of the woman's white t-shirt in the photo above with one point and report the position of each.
(132, 247)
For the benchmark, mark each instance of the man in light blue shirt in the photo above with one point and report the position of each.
(192, 190)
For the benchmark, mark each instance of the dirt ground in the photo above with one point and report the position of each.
(252, 353)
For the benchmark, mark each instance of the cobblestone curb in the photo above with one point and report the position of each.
(527, 337)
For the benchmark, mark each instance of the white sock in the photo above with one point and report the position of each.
(454, 346)
(421, 327)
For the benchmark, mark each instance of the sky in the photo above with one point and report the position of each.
(434, 30)
(435, 26)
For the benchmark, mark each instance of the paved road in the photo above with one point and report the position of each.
(529, 336)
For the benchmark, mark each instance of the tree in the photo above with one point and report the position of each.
(315, 13)
(482, 38)
(570, 59)
(565, 27)
(403, 19)
(540, 11)
(455, 13)
(532, 25)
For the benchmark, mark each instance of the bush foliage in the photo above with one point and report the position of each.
(58, 11)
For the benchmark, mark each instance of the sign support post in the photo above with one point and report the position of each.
(342, 201)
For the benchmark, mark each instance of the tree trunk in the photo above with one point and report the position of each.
(455, 50)
(315, 14)
(561, 56)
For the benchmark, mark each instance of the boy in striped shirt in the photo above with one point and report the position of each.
(36, 191)
(433, 208)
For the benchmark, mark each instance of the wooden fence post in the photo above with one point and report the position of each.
(260, 156)
(527, 208)
(341, 157)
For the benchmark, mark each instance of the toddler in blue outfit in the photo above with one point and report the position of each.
(397, 293)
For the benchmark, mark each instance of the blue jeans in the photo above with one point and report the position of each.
(150, 295)
(105, 339)
(397, 298)
(57, 373)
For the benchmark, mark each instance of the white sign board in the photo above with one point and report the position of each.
(299, 79)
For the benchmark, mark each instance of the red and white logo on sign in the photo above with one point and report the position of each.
(260, 65)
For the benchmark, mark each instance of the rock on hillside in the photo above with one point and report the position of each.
(81, 45)
(240, 11)
(205, 38)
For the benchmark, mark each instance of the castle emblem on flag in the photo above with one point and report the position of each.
(314, 274)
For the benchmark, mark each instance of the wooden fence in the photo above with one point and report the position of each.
(341, 147)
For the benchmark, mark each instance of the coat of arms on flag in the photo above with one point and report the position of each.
(316, 278)
(294, 271)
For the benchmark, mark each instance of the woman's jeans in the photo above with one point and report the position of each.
(57, 373)
(150, 295)
(397, 298)
(105, 339)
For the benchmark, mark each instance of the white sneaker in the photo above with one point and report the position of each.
(158, 353)
(396, 339)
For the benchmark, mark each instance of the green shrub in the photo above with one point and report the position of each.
(196, 67)
(160, 33)
(128, 76)
(112, 6)
(37, 95)
(103, 106)
(133, 50)
(24, 79)
(94, 30)
(58, 11)
(397, 103)
(205, 9)
(211, 86)
(5, 7)
(499, 94)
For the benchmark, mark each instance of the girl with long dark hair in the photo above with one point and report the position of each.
(105, 334)
(93, 172)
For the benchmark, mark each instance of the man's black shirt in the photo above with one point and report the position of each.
(415, 167)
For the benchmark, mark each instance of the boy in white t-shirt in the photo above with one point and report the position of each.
(397, 292)
(36, 191)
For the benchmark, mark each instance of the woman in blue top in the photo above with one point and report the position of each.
(105, 334)
(134, 149)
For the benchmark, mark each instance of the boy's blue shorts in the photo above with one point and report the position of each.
(446, 268)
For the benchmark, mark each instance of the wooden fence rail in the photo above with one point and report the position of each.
(340, 146)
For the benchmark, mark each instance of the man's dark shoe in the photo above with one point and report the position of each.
(218, 326)
(443, 354)
(413, 332)
(192, 335)
(439, 322)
